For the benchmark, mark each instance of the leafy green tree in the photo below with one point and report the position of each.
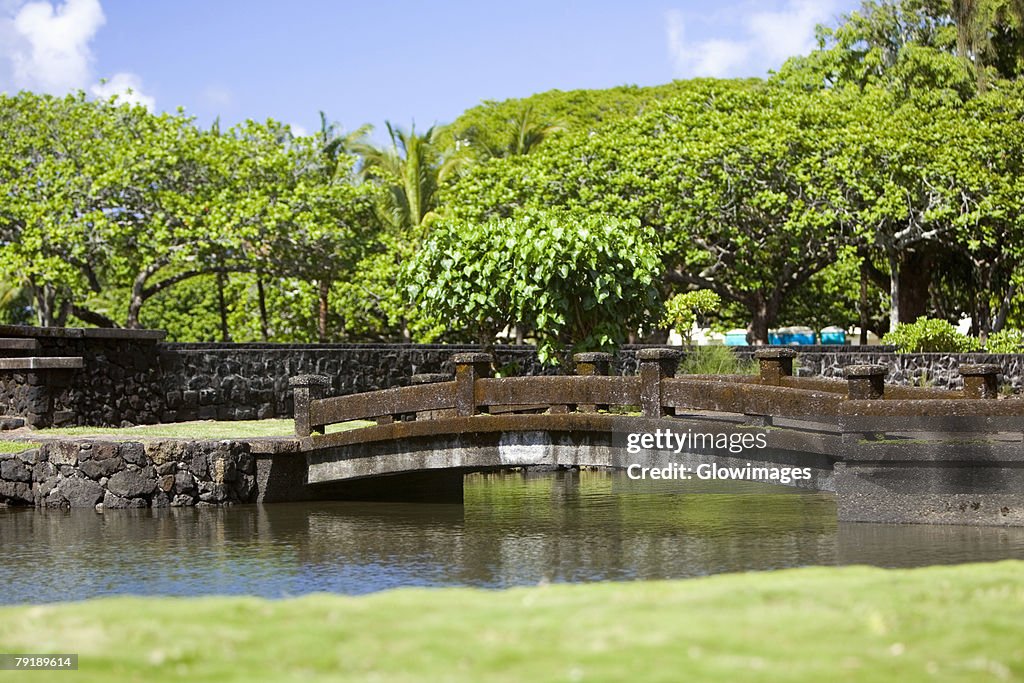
(108, 206)
(522, 132)
(100, 193)
(683, 310)
(743, 183)
(409, 173)
(579, 282)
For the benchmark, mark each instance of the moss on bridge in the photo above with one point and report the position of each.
(196, 430)
(960, 623)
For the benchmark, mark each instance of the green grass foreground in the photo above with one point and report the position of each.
(199, 429)
(16, 446)
(960, 623)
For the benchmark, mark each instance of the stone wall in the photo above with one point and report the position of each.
(88, 473)
(250, 381)
(119, 380)
(130, 377)
(913, 369)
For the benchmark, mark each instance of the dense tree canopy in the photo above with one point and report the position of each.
(875, 180)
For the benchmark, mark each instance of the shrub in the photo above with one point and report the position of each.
(1006, 341)
(930, 335)
(682, 310)
(715, 360)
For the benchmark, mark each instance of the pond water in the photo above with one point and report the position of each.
(514, 529)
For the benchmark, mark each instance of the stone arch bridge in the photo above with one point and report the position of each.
(889, 453)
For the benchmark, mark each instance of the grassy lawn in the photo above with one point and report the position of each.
(16, 446)
(201, 429)
(961, 623)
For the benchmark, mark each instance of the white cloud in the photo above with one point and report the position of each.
(298, 131)
(790, 31)
(127, 87)
(217, 96)
(47, 46)
(765, 39)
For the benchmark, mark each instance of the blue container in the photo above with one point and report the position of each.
(778, 337)
(801, 336)
(833, 335)
(736, 338)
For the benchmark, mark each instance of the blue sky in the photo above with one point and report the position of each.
(364, 62)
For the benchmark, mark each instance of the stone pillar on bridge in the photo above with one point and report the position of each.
(865, 382)
(981, 380)
(305, 390)
(655, 365)
(469, 367)
(775, 364)
(592, 365)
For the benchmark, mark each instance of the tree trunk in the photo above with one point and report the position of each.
(225, 336)
(325, 289)
(983, 303)
(863, 305)
(262, 298)
(761, 319)
(45, 301)
(1004, 308)
(909, 280)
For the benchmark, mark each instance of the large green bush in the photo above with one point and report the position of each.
(1005, 341)
(578, 282)
(929, 335)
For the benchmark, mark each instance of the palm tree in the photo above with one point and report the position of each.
(412, 169)
(989, 34)
(522, 133)
(337, 144)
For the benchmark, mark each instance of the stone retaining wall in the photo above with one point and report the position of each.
(130, 377)
(88, 473)
(910, 369)
(250, 381)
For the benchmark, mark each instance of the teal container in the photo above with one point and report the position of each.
(736, 338)
(833, 335)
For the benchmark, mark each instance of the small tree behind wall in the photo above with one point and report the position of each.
(683, 310)
(579, 282)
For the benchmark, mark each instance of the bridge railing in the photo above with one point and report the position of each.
(859, 401)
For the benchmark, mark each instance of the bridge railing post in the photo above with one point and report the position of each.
(775, 364)
(305, 390)
(655, 365)
(468, 368)
(981, 380)
(865, 382)
(591, 365)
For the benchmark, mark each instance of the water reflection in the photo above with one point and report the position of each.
(513, 529)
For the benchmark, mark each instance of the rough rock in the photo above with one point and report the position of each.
(96, 469)
(15, 470)
(135, 453)
(114, 502)
(62, 453)
(130, 484)
(80, 493)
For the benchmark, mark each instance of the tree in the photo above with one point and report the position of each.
(409, 173)
(108, 205)
(581, 282)
(741, 181)
(522, 132)
(100, 193)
